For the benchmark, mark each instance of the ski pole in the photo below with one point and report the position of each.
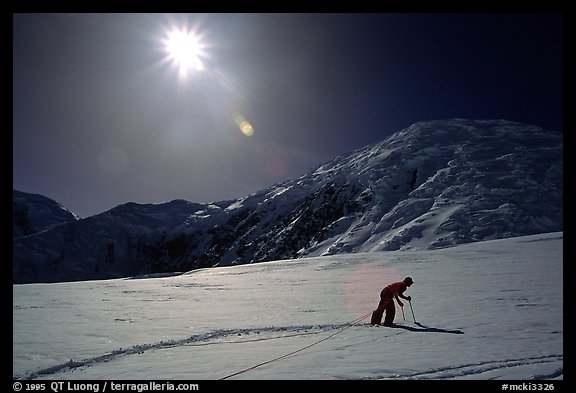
(403, 316)
(412, 309)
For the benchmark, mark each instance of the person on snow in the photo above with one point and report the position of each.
(394, 290)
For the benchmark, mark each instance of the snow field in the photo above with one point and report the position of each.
(502, 297)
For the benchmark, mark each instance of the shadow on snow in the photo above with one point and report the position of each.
(424, 328)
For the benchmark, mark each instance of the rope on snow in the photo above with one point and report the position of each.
(346, 326)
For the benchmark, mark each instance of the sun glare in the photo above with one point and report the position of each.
(185, 50)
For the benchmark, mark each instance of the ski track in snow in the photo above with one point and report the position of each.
(210, 338)
(215, 337)
(474, 369)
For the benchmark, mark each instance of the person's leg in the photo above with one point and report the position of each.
(379, 312)
(390, 313)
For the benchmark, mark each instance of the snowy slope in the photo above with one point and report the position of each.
(34, 213)
(486, 310)
(432, 185)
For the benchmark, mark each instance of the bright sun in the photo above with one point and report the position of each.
(185, 50)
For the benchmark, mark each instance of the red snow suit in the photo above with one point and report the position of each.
(387, 303)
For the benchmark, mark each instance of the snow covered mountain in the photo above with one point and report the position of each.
(35, 213)
(432, 185)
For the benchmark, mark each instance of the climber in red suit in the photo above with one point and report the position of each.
(394, 290)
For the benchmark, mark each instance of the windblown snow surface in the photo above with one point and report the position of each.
(486, 310)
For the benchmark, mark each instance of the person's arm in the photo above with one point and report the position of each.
(405, 297)
(401, 294)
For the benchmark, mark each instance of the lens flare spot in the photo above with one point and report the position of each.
(362, 290)
(276, 166)
(244, 125)
(246, 128)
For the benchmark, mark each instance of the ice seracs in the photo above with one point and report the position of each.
(432, 185)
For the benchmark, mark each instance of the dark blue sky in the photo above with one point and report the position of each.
(100, 119)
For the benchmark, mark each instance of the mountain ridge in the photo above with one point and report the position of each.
(430, 185)
(34, 213)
